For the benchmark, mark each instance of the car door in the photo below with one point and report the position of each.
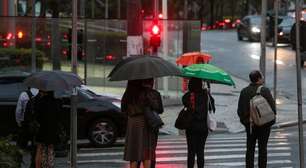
(10, 88)
(245, 23)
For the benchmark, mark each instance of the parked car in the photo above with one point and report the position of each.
(284, 29)
(249, 27)
(302, 40)
(99, 117)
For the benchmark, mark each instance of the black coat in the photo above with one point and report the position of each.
(199, 119)
(49, 116)
(244, 102)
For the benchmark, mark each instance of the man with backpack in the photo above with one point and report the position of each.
(256, 110)
(23, 115)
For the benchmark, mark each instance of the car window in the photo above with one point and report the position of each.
(255, 21)
(246, 21)
(287, 22)
(10, 92)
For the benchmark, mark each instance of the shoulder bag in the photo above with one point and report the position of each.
(184, 119)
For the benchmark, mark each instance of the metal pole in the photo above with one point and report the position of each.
(106, 9)
(73, 137)
(33, 58)
(262, 63)
(156, 8)
(118, 9)
(165, 42)
(299, 81)
(276, 7)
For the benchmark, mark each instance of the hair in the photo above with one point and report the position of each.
(255, 76)
(132, 92)
(195, 84)
(148, 82)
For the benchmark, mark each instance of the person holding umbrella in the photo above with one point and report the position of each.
(196, 100)
(48, 115)
(141, 141)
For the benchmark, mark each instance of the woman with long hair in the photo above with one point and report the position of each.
(140, 140)
(196, 102)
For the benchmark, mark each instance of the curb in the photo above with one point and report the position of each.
(287, 124)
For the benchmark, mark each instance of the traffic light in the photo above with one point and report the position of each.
(155, 36)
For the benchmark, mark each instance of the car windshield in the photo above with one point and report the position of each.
(255, 20)
(287, 22)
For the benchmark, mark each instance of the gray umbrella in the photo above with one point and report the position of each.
(53, 80)
(143, 67)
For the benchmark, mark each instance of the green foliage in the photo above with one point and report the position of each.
(13, 57)
(10, 155)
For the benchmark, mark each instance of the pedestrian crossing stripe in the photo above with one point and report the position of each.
(218, 141)
(184, 146)
(207, 158)
(213, 139)
(159, 152)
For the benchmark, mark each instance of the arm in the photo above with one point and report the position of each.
(242, 108)
(185, 99)
(156, 101)
(21, 103)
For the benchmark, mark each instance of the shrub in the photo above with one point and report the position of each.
(10, 155)
(19, 57)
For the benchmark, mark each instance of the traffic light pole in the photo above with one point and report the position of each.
(298, 5)
(165, 41)
(276, 7)
(33, 58)
(73, 119)
(262, 61)
(134, 28)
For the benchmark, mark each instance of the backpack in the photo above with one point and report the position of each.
(30, 122)
(260, 110)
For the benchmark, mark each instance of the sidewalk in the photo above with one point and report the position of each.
(226, 99)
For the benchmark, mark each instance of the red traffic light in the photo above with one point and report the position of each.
(155, 30)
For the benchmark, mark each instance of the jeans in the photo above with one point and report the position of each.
(261, 134)
(195, 146)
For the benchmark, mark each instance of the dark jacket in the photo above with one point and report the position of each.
(244, 102)
(49, 116)
(199, 119)
(147, 98)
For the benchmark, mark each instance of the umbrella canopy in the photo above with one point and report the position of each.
(193, 58)
(53, 80)
(209, 73)
(143, 67)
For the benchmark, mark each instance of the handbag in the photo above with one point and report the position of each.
(211, 121)
(184, 119)
(153, 119)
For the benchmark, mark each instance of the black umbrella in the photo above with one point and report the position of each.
(53, 80)
(143, 67)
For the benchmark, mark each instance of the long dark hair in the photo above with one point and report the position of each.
(132, 92)
(195, 85)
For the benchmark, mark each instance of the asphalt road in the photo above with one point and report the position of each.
(240, 57)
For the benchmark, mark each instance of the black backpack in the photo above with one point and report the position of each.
(30, 121)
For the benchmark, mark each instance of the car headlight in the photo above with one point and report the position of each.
(117, 104)
(255, 30)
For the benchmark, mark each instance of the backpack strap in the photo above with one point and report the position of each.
(258, 90)
(29, 93)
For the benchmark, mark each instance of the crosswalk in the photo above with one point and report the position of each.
(226, 150)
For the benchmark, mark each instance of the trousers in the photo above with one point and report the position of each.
(260, 134)
(195, 147)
